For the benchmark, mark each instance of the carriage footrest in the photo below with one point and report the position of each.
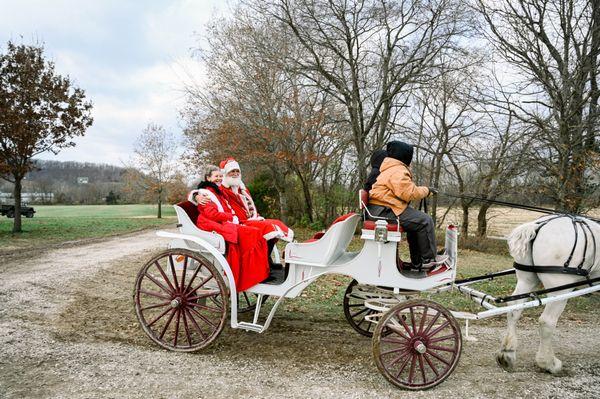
(250, 326)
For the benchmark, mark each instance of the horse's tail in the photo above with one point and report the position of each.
(519, 239)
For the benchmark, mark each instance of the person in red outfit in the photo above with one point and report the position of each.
(242, 203)
(246, 248)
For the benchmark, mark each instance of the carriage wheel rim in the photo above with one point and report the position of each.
(416, 352)
(174, 312)
(355, 312)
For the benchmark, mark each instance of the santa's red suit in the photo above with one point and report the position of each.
(241, 202)
(246, 248)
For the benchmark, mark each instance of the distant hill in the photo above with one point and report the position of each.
(69, 172)
(70, 182)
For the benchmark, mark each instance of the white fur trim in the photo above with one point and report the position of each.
(231, 165)
(192, 197)
(212, 197)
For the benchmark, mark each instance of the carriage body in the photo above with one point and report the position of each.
(374, 264)
(190, 291)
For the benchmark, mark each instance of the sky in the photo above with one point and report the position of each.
(132, 58)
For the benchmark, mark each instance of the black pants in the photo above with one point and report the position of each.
(420, 232)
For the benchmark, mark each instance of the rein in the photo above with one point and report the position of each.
(518, 206)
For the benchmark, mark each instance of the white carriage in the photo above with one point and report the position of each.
(182, 296)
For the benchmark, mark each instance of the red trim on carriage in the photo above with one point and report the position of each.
(370, 225)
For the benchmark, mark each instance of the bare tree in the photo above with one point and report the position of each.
(258, 111)
(554, 46)
(40, 111)
(366, 54)
(155, 151)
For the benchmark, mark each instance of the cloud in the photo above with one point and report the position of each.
(132, 59)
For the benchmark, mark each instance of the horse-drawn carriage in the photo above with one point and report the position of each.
(183, 295)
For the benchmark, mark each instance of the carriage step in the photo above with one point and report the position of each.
(250, 326)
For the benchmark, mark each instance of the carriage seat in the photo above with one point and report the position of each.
(327, 248)
(363, 200)
(187, 214)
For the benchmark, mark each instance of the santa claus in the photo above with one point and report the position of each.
(242, 203)
(247, 251)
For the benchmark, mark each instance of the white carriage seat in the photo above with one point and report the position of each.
(187, 212)
(326, 249)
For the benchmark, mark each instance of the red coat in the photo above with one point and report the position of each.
(248, 215)
(246, 248)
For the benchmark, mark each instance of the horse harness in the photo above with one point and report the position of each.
(566, 267)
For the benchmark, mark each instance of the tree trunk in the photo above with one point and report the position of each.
(307, 197)
(464, 228)
(482, 220)
(159, 216)
(279, 183)
(17, 195)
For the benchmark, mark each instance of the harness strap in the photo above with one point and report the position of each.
(551, 269)
(568, 262)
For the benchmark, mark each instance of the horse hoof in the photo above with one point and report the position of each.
(506, 360)
(553, 367)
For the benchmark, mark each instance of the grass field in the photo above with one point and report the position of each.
(53, 224)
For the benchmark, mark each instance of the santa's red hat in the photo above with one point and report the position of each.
(228, 165)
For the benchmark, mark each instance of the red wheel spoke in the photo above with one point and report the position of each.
(430, 364)
(202, 317)
(185, 260)
(193, 278)
(202, 283)
(157, 318)
(156, 294)
(406, 327)
(393, 351)
(440, 348)
(186, 328)
(164, 276)
(411, 372)
(403, 366)
(164, 330)
(422, 368)
(412, 321)
(158, 283)
(395, 341)
(440, 328)
(400, 356)
(206, 295)
(445, 337)
(441, 359)
(158, 305)
(197, 305)
(423, 318)
(177, 327)
(195, 323)
(172, 266)
(431, 323)
(398, 331)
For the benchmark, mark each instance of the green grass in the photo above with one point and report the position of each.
(56, 224)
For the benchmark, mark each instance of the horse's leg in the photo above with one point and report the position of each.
(526, 282)
(545, 358)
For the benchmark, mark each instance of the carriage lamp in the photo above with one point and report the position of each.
(381, 232)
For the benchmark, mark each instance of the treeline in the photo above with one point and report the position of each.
(500, 99)
(91, 183)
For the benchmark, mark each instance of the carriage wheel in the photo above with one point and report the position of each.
(178, 299)
(247, 302)
(355, 311)
(417, 344)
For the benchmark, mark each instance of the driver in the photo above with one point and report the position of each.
(390, 196)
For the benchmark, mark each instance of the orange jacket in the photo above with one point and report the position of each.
(394, 187)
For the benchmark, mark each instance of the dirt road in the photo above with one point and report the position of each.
(68, 330)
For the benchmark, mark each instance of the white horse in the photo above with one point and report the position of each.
(550, 245)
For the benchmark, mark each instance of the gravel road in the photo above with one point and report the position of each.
(68, 330)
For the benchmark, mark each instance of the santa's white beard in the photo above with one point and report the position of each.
(232, 181)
